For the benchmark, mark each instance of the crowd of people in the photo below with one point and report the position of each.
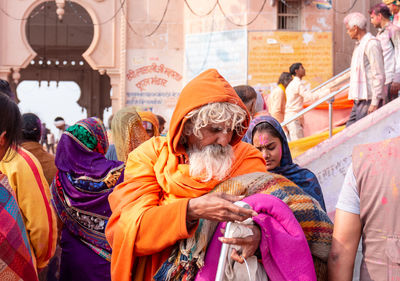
(153, 206)
(374, 71)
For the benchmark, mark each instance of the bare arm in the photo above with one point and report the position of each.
(346, 236)
(310, 96)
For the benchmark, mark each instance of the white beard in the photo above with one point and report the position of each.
(211, 162)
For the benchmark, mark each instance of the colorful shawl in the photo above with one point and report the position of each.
(284, 250)
(83, 182)
(15, 255)
(188, 255)
(304, 178)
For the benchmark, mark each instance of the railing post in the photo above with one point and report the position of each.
(330, 116)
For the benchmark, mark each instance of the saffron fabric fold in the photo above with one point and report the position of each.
(302, 177)
(148, 116)
(149, 207)
(80, 190)
(284, 250)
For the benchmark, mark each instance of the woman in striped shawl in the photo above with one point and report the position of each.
(15, 254)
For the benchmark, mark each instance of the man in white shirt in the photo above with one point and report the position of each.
(389, 36)
(61, 126)
(296, 94)
(367, 72)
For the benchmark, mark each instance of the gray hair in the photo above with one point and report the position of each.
(215, 113)
(356, 19)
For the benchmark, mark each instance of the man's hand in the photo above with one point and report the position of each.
(249, 244)
(372, 108)
(217, 207)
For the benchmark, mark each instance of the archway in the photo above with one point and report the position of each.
(59, 46)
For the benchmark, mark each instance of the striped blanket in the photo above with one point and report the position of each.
(188, 255)
(15, 255)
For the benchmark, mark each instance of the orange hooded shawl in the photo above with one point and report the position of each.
(149, 207)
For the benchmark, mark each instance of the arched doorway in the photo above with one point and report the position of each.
(59, 46)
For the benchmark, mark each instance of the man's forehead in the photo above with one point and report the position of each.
(220, 124)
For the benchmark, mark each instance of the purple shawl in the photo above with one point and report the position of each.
(83, 182)
(284, 249)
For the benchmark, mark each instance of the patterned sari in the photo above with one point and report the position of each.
(80, 192)
(15, 255)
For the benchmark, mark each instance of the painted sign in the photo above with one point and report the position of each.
(154, 80)
(271, 53)
(225, 51)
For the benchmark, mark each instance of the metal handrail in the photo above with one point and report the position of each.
(330, 80)
(329, 98)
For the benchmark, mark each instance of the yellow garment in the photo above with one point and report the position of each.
(127, 131)
(26, 177)
(277, 102)
(300, 146)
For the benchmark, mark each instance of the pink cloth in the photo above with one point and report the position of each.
(284, 249)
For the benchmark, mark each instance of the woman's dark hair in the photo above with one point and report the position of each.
(161, 120)
(294, 67)
(266, 127)
(31, 127)
(10, 122)
(285, 79)
(6, 89)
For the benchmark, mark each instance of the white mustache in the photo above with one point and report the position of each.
(211, 162)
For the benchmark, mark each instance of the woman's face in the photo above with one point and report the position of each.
(270, 147)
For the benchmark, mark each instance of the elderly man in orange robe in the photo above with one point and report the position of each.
(168, 179)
